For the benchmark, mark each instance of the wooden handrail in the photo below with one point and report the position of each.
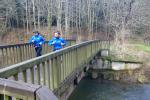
(12, 54)
(23, 91)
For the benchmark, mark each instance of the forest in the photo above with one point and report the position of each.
(75, 19)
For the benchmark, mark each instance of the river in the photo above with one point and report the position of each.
(89, 89)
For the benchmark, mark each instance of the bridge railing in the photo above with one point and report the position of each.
(13, 90)
(54, 68)
(12, 54)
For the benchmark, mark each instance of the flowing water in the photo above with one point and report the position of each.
(89, 89)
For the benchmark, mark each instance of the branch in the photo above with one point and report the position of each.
(130, 8)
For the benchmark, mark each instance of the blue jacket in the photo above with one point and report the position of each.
(37, 40)
(57, 43)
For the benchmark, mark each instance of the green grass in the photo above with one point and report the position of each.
(133, 48)
(142, 47)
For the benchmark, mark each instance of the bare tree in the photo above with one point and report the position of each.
(115, 17)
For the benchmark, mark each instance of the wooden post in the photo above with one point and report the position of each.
(11, 56)
(59, 60)
(33, 51)
(2, 58)
(25, 52)
(29, 52)
(48, 69)
(21, 53)
(72, 61)
(66, 60)
(16, 77)
(44, 77)
(68, 67)
(61, 68)
(24, 73)
(51, 74)
(55, 72)
(38, 74)
(16, 55)
(65, 65)
(7, 56)
(32, 75)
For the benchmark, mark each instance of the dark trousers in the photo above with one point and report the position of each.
(38, 51)
(56, 49)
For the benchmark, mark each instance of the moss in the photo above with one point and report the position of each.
(106, 58)
(130, 72)
(142, 47)
(142, 79)
(126, 60)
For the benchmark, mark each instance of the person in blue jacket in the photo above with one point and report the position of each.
(37, 40)
(57, 41)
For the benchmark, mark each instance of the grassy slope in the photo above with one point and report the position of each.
(134, 52)
(142, 47)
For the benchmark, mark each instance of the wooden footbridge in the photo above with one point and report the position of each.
(51, 76)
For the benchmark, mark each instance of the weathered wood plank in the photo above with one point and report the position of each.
(38, 74)
(44, 72)
(32, 75)
(45, 94)
(18, 89)
(48, 83)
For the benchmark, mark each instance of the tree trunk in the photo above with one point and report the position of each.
(59, 15)
(66, 19)
(33, 8)
(76, 16)
(27, 23)
(49, 18)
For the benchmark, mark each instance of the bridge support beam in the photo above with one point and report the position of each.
(132, 76)
(65, 90)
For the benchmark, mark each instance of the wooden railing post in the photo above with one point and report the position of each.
(55, 72)
(32, 75)
(21, 53)
(44, 72)
(38, 78)
(51, 84)
(48, 70)
(2, 62)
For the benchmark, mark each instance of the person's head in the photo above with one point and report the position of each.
(36, 33)
(57, 34)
